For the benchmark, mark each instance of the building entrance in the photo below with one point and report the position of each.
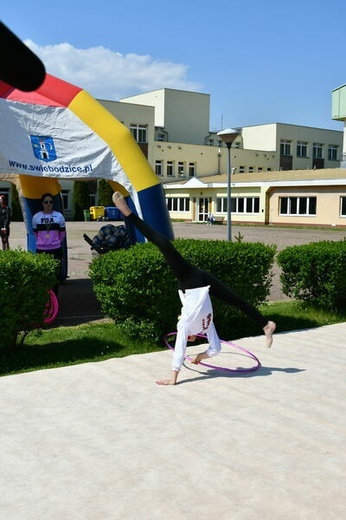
(202, 209)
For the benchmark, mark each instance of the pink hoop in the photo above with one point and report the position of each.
(52, 307)
(223, 369)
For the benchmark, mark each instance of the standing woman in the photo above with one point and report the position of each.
(49, 229)
(5, 219)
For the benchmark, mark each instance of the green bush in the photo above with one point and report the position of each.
(137, 289)
(25, 278)
(315, 273)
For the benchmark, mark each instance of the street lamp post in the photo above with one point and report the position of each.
(228, 136)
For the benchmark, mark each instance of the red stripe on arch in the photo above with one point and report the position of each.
(58, 90)
(53, 92)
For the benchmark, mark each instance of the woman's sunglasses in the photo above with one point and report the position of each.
(47, 202)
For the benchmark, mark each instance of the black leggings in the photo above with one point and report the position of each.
(58, 255)
(191, 277)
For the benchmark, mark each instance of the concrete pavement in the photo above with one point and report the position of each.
(102, 441)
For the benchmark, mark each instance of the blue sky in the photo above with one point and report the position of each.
(261, 62)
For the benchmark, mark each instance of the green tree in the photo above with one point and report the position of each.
(17, 215)
(105, 193)
(81, 199)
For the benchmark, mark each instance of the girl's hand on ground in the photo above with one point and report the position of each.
(165, 382)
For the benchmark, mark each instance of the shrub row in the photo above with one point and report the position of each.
(25, 278)
(315, 273)
(137, 290)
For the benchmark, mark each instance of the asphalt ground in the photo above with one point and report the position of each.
(77, 302)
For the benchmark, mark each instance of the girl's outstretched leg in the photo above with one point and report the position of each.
(219, 290)
(121, 204)
(180, 267)
(269, 330)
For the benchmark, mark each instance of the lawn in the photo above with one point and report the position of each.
(98, 341)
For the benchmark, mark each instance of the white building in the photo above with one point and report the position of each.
(185, 147)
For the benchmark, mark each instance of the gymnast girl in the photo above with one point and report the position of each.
(195, 287)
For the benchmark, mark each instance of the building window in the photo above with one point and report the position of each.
(343, 206)
(332, 152)
(192, 169)
(65, 195)
(252, 204)
(181, 169)
(210, 142)
(302, 149)
(170, 168)
(298, 205)
(161, 137)
(246, 205)
(317, 151)
(139, 132)
(238, 204)
(178, 204)
(159, 167)
(241, 169)
(285, 147)
(251, 169)
(221, 205)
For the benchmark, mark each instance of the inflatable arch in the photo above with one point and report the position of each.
(60, 132)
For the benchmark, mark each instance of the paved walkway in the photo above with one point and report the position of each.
(103, 441)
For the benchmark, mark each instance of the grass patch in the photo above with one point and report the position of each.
(93, 342)
(63, 346)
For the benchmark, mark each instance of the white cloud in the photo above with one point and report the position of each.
(106, 74)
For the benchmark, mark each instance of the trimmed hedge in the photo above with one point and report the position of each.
(315, 273)
(25, 278)
(137, 289)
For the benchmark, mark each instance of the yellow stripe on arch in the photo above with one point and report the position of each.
(34, 187)
(118, 138)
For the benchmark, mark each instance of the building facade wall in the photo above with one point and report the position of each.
(183, 115)
(155, 98)
(328, 206)
(300, 141)
(260, 137)
(317, 200)
(187, 116)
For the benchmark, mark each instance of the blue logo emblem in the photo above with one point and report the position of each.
(43, 147)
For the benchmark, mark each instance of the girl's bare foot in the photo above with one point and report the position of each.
(121, 204)
(269, 331)
(199, 357)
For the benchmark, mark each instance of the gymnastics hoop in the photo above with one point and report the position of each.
(51, 308)
(223, 369)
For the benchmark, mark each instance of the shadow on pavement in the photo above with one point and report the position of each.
(77, 303)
